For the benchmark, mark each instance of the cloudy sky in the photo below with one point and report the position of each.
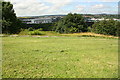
(53, 7)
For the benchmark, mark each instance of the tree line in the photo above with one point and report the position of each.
(72, 23)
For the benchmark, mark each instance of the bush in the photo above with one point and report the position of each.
(70, 24)
(40, 29)
(30, 29)
(89, 29)
(106, 27)
(24, 32)
(36, 32)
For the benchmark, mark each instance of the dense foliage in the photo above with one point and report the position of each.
(0, 17)
(70, 24)
(10, 23)
(109, 27)
(44, 26)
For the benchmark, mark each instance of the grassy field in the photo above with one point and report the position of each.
(60, 57)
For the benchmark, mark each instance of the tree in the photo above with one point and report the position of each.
(70, 24)
(0, 17)
(106, 27)
(10, 23)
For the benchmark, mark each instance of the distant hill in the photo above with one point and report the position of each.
(40, 16)
(92, 15)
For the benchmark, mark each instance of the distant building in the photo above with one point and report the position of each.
(28, 21)
(97, 19)
(40, 20)
(51, 19)
(37, 20)
(116, 19)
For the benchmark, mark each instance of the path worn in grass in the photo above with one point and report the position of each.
(59, 57)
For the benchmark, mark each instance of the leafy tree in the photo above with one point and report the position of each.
(70, 24)
(0, 17)
(118, 28)
(10, 23)
(106, 27)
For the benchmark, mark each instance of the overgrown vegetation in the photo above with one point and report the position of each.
(106, 27)
(35, 32)
(71, 23)
(31, 31)
(74, 23)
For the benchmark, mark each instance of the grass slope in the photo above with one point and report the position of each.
(59, 57)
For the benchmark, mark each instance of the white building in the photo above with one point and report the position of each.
(99, 19)
(41, 20)
(37, 20)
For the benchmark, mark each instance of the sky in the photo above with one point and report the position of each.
(63, 7)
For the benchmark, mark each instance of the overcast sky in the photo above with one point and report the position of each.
(53, 7)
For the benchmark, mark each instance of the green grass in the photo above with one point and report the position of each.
(60, 57)
(39, 32)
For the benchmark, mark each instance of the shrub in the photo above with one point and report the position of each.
(70, 24)
(30, 29)
(24, 32)
(40, 29)
(106, 27)
(36, 32)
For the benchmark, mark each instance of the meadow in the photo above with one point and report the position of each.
(60, 57)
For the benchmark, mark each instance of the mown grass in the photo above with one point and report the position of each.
(60, 57)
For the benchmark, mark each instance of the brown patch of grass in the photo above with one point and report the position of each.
(89, 34)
